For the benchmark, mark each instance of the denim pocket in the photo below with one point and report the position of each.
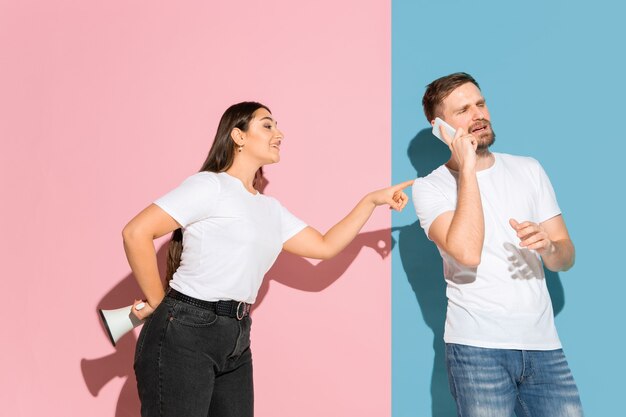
(191, 316)
(142, 337)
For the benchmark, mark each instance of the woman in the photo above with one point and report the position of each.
(192, 356)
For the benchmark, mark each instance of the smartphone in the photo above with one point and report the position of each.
(449, 129)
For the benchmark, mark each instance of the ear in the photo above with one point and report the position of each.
(236, 135)
(432, 123)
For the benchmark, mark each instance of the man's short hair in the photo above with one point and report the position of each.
(438, 90)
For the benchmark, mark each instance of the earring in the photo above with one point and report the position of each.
(240, 148)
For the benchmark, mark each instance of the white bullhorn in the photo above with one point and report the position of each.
(120, 321)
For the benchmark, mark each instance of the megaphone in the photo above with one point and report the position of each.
(120, 321)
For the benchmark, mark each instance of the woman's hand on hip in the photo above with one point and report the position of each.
(142, 309)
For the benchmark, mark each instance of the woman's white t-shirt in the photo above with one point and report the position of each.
(231, 237)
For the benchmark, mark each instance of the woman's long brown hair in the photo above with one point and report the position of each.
(219, 159)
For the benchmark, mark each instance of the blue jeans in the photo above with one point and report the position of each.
(500, 382)
(191, 362)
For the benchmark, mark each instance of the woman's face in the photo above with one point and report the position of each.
(262, 139)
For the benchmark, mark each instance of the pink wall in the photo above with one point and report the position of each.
(106, 105)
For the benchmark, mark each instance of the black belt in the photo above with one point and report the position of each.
(229, 308)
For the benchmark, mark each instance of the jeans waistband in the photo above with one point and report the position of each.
(228, 308)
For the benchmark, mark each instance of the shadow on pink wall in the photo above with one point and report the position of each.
(290, 270)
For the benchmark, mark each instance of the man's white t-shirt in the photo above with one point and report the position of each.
(504, 302)
(231, 237)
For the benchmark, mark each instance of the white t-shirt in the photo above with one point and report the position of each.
(504, 302)
(231, 237)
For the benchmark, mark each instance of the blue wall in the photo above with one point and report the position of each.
(553, 75)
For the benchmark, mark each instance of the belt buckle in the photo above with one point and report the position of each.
(243, 311)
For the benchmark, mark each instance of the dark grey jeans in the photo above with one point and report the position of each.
(191, 362)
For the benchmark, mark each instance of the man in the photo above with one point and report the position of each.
(494, 218)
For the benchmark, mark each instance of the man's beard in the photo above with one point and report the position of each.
(484, 139)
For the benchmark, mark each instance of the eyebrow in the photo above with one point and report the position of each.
(481, 101)
(270, 119)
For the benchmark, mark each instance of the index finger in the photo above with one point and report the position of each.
(403, 185)
(524, 225)
(459, 132)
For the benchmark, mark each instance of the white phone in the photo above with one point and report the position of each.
(449, 130)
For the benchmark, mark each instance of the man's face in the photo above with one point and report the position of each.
(465, 108)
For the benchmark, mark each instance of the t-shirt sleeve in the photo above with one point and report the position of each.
(430, 202)
(546, 205)
(193, 200)
(290, 225)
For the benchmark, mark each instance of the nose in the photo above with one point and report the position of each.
(279, 134)
(479, 114)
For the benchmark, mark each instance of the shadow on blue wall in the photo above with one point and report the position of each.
(423, 267)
